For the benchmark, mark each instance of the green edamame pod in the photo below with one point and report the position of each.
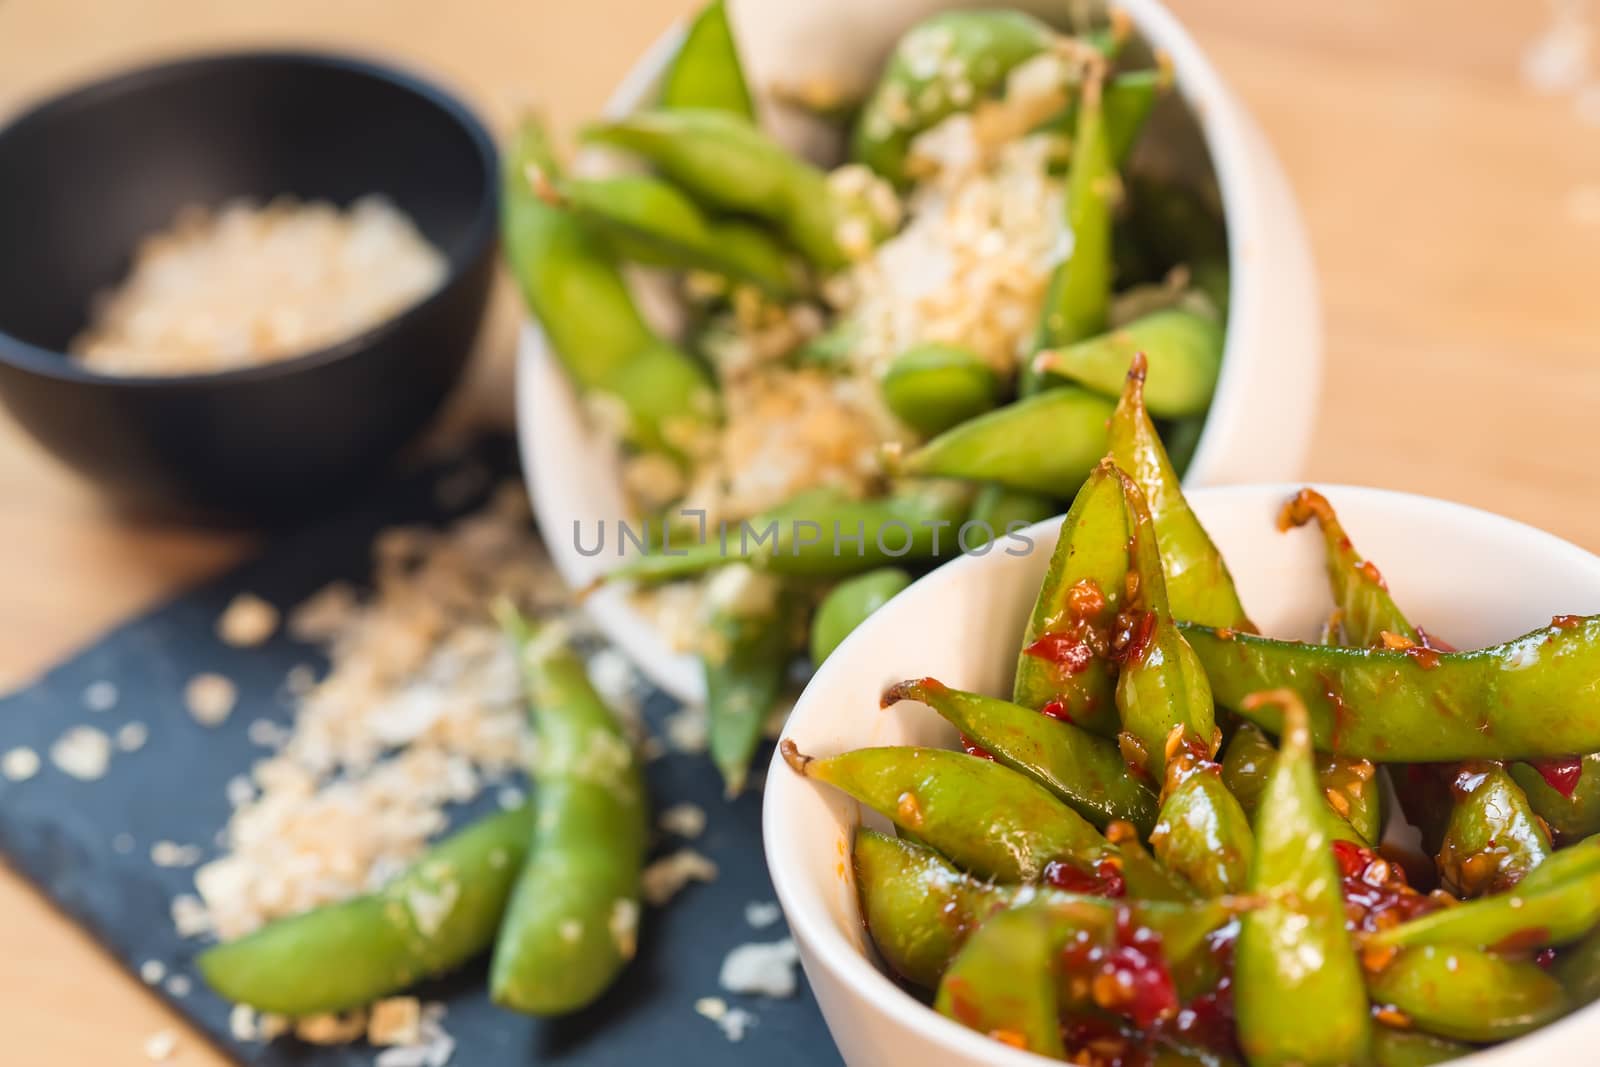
(726, 163)
(349, 954)
(1530, 698)
(933, 387)
(572, 922)
(1083, 769)
(821, 534)
(1203, 835)
(1468, 995)
(1493, 838)
(1577, 968)
(1184, 350)
(706, 72)
(1078, 299)
(1573, 810)
(1045, 444)
(1350, 787)
(745, 659)
(1366, 610)
(650, 221)
(1063, 648)
(1407, 1048)
(1558, 901)
(1163, 698)
(848, 605)
(1247, 764)
(573, 287)
(1007, 512)
(1294, 948)
(1129, 99)
(944, 63)
(1198, 583)
(1003, 981)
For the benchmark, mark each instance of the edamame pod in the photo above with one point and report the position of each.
(933, 387)
(1203, 835)
(1199, 586)
(1530, 698)
(745, 659)
(1577, 968)
(1468, 995)
(1407, 1048)
(1493, 838)
(1302, 920)
(1564, 793)
(1006, 512)
(944, 63)
(1003, 981)
(848, 605)
(1083, 769)
(1045, 444)
(346, 955)
(706, 72)
(1129, 98)
(572, 923)
(1350, 787)
(1078, 299)
(1183, 349)
(1366, 610)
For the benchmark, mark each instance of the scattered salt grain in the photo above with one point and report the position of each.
(172, 854)
(179, 986)
(733, 1022)
(761, 914)
(151, 972)
(396, 1021)
(666, 877)
(19, 764)
(247, 621)
(132, 736)
(762, 969)
(159, 1046)
(685, 820)
(82, 752)
(100, 696)
(210, 698)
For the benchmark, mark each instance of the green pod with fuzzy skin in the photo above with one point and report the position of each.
(1467, 994)
(1082, 768)
(932, 387)
(945, 63)
(706, 71)
(1184, 353)
(443, 910)
(849, 604)
(1046, 443)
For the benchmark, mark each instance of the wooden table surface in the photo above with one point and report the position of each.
(1455, 215)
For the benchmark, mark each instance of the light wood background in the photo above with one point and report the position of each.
(1455, 215)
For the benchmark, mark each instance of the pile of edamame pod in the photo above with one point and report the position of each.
(903, 358)
(1167, 846)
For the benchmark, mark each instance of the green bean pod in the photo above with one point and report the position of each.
(1203, 835)
(1532, 697)
(1184, 350)
(944, 63)
(346, 955)
(849, 604)
(1199, 586)
(1046, 443)
(1163, 698)
(1493, 838)
(572, 285)
(1295, 949)
(572, 923)
(932, 387)
(1468, 995)
(1407, 1048)
(745, 660)
(728, 164)
(1083, 769)
(1558, 902)
(706, 71)
(648, 220)
(1572, 811)
(820, 534)
(1063, 648)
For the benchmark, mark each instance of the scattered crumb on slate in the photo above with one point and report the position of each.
(210, 698)
(82, 752)
(395, 1021)
(266, 733)
(100, 696)
(189, 916)
(733, 1022)
(663, 879)
(686, 729)
(761, 914)
(151, 972)
(247, 621)
(132, 736)
(685, 820)
(179, 986)
(761, 969)
(172, 854)
(19, 764)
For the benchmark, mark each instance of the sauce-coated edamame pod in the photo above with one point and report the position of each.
(1183, 348)
(1493, 838)
(1366, 610)
(1350, 786)
(572, 923)
(1533, 697)
(1564, 793)
(1203, 835)
(707, 72)
(1467, 994)
(1003, 981)
(1407, 1048)
(345, 955)
(849, 604)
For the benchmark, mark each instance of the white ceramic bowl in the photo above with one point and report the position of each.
(1261, 417)
(1471, 577)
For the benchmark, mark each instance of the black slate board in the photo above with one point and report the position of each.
(61, 833)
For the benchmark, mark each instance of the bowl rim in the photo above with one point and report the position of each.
(807, 915)
(461, 260)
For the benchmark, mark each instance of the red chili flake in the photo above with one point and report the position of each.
(1376, 893)
(1566, 622)
(972, 748)
(1545, 957)
(1562, 774)
(1428, 640)
(1105, 880)
(1063, 649)
(1055, 709)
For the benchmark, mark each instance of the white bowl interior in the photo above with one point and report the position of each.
(1261, 416)
(1468, 576)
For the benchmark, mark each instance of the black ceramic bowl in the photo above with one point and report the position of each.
(86, 175)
